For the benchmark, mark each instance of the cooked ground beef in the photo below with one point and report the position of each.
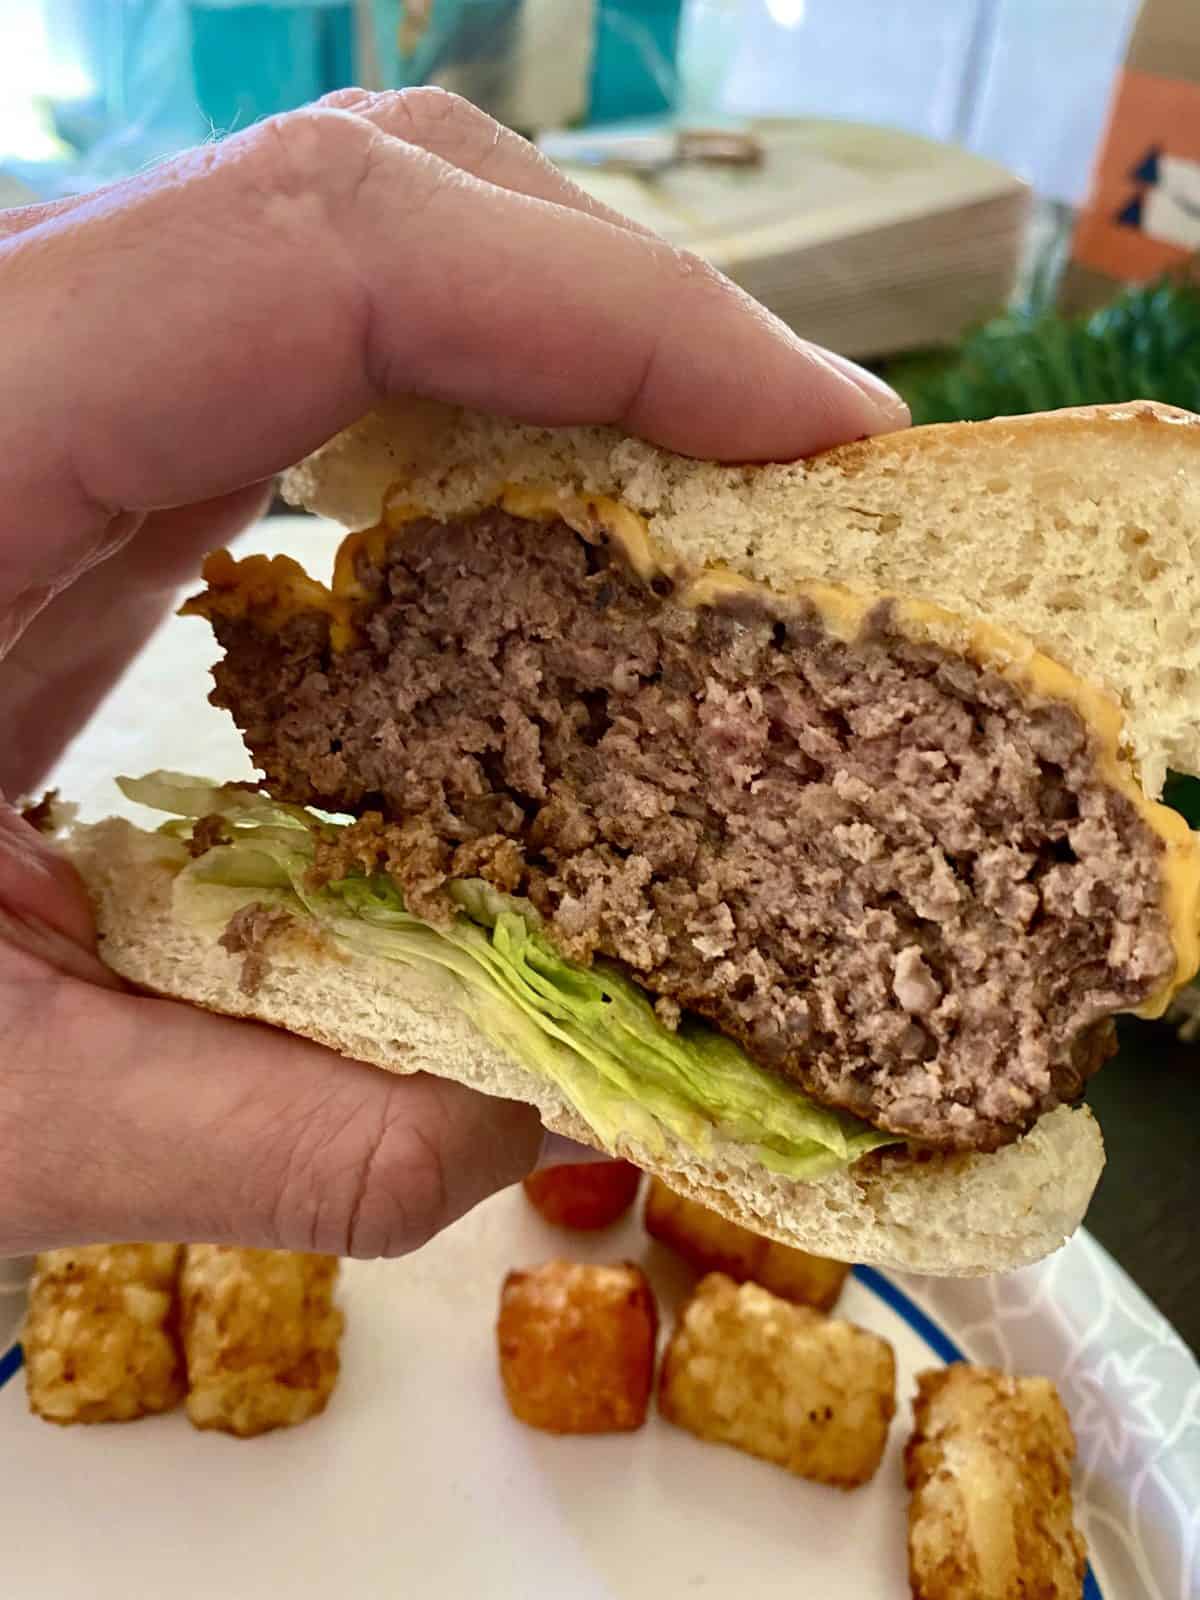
(208, 832)
(893, 878)
(40, 814)
(248, 933)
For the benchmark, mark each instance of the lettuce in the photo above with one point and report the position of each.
(592, 1031)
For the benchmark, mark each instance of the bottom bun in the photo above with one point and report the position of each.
(949, 1215)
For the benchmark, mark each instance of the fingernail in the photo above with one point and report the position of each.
(560, 1152)
(893, 412)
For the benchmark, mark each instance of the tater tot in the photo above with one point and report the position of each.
(779, 1381)
(583, 1195)
(988, 1468)
(260, 1333)
(576, 1346)
(710, 1244)
(101, 1334)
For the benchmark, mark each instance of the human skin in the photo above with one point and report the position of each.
(166, 346)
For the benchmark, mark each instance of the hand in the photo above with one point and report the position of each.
(167, 345)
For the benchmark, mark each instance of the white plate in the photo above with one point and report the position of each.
(418, 1482)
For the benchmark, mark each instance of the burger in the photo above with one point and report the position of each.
(791, 831)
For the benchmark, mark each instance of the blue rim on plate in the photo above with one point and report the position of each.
(883, 1288)
(10, 1364)
(943, 1346)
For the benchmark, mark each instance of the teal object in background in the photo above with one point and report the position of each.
(456, 33)
(93, 90)
(97, 89)
(634, 45)
(633, 60)
(253, 60)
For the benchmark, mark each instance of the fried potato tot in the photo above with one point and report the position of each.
(710, 1244)
(779, 1381)
(576, 1346)
(583, 1195)
(260, 1333)
(101, 1333)
(988, 1468)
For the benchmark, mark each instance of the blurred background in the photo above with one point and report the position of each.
(90, 88)
(996, 202)
(886, 176)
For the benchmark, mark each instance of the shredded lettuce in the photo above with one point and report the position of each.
(590, 1030)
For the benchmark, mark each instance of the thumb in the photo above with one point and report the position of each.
(44, 908)
(126, 1117)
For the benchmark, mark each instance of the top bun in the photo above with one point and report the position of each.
(1079, 529)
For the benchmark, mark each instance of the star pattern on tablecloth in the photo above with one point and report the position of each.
(1113, 1405)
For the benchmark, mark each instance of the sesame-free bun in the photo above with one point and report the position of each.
(1070, 539)
(960, 1215)
(1078, 529)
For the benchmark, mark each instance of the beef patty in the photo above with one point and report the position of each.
(895, 878)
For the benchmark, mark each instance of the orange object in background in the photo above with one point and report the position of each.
(1142, 215)
(585, 1195)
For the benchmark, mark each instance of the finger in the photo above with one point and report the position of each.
(201, 1128)
(44, 909)
(433, 119)
(448, 126)
(352, 264)
(69, 656)
(19, 219)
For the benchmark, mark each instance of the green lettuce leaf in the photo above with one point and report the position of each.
(592, 1031)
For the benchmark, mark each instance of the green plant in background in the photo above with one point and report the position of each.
(1144, 345)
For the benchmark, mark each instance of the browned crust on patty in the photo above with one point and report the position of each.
(893, 877)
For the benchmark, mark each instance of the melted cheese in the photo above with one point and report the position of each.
(269, 591)
(595, 518)
(843, 614)
(266, 590)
